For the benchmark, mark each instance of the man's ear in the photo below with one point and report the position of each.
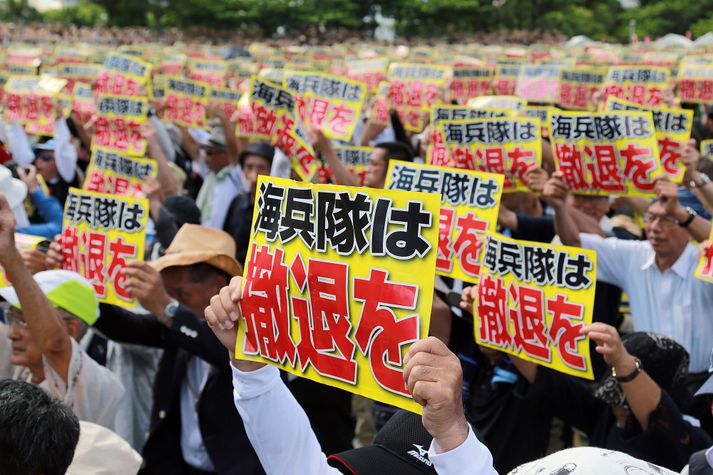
(74, 328)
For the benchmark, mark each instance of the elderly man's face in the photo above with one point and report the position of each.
(376, 169)
(253, 167)
(46, 165)
(25, 351)
(193, 294)
(667, 238)
(593, 206)
(216, 158)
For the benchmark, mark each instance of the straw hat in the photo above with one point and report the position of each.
(195, 244)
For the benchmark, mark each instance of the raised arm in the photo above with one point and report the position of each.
(42, 318)
(555, 193)
(667, 192)
(339, 171)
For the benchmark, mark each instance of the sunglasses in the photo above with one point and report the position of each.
(45, 157)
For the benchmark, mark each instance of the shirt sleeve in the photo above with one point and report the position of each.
(276, 425)
(50, 211)
(19, 145)
(613, 257)
(469, 458)
(65, 153)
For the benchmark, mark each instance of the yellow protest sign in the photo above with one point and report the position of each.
(506, 76)
(538, 83)
(470, 202)
(339, 283)
(23, 242)
(414, 88)
(355, 159)
(276, 118)
(100, 234)
(673, 129)
(83, 105)
(695, 83)
(119, 122)
(533, 300)
(370, 71)
(640, 84)
(577, 85)
(506, 145)
(227, 99)
(117, 174)
(437, 153)
(704, 270)
(498, 102)
(214, 72)
(84, 72)
(327, 101)
(607, 153)
(124, 75)
(471, 81)
(186, 101)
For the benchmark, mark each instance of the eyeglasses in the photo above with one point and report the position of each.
(14, 318)
(45, 157)
(649, 218)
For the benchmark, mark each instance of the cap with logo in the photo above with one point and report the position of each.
(400, 447)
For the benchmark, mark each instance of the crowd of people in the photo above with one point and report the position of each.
(90, 387)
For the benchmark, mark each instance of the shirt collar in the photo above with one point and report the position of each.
(224, 173)
(682, 266)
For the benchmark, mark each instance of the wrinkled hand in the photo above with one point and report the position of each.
(667, 194)
(53, 258)
(29, 178)
(535, 179)
(144, 283)
(434, 377)
(610, 346)
(222, 316)
(555, 191)
(7, 229)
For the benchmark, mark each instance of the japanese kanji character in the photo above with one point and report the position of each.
(492, 316)
(70, 249)
(324, 332)
(605, 171)
(342, 221)
(563, 332)
(569, 159)
(539, 264)
(445, 229)
(265, 306)
(509, 259)
(269, 207)
(379, 334)
(93, 260)
(402, 177)
(527, 313)
(298, 217)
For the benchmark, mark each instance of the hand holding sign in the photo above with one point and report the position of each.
(434, 377)
(555, 191)
(144, 283)
(222, 316)
(7, 230)
(610, 346)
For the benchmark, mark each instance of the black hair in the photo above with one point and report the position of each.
(396, 151)
(203, 272)
(39, 434)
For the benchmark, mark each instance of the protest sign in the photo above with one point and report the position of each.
(370, 71)
(213, 72)
(185, 102)
(379, 112)
(100, 234)
(506, 79)
(538, 83)
(83, 105)
(533, 300)
(339, 283)
(23, 242)
(327, 101)
(119, 122)
(82, 72)
(577, 85)
(640, 84)
(226, 99)
(707, 148)
(471, 81)
(608, 153)
(414, 89)
(704, 270)
(437, 153)
(695, 83)
(505, 145)
(30, 101)
(469, 209)
(117, 174)
(355, 159)
(673, 129)
(275, 116)
(124, 75)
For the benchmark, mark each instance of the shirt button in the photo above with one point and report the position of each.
(162, 414)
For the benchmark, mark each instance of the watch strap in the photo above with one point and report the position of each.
(691, 216)
(629, 377)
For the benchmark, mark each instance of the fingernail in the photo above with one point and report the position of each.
(234, 316)
(228, 325)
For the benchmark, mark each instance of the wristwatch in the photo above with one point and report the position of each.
(691, 216)
(170, 311)
(629, 377)
(704, 180)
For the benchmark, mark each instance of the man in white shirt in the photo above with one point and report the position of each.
(49, 314)
(657, 274)
(281, 435)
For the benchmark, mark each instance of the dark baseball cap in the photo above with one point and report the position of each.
(261, 149)
(400, 447)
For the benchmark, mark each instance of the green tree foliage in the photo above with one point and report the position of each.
(599, 19)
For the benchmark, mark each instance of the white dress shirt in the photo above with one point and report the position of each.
(281, 435)
(673, 302)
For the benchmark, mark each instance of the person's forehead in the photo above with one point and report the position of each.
(378, 154)
(656, 208)
(256, 160)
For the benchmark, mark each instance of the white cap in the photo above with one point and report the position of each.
(15, 190)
